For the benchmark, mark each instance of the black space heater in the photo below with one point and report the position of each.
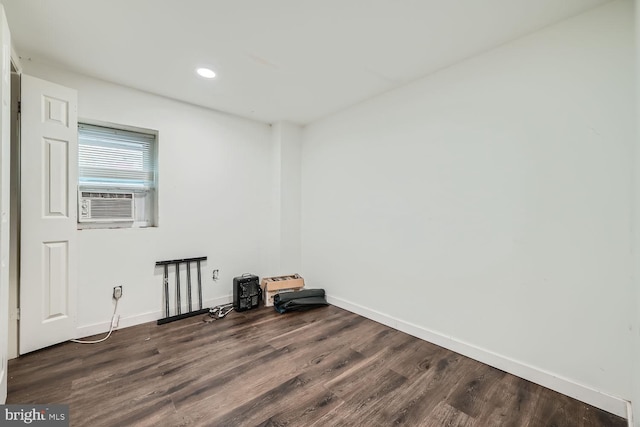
(246, 292)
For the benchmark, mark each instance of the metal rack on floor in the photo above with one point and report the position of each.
(177, 297)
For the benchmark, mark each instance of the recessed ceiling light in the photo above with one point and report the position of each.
(206, 73)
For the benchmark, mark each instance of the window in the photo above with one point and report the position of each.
(116, 166)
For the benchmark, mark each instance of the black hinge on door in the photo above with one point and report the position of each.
(19, 107)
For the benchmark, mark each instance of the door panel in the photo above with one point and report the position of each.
(56, 282)
(49, 150)
(56, 185)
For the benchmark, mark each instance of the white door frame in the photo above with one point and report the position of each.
(5, 188)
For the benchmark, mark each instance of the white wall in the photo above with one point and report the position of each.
(214, 200)
(489, 204)
(287, 140)
(635, 399)
(285, 239)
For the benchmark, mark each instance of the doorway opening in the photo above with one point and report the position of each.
(14, 215)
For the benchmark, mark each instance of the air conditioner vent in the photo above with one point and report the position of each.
(105, 206)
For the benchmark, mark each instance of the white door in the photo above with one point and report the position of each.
(5, 162)
(48, 222)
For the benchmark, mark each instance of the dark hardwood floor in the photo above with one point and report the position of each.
(325, 367)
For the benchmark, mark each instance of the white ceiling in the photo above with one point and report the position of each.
(293, 60)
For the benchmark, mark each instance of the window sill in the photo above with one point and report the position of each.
(113, 226)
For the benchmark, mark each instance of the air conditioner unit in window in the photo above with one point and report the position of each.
(97, 206)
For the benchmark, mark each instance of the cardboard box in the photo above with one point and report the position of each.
(271, 286)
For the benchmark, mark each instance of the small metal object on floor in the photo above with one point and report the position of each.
(218, 312)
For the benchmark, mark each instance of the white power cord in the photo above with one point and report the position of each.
(110, 329)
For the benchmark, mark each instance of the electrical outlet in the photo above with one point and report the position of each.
(117, 292)
(215, 275)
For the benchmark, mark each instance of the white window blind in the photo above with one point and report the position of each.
(117, 158)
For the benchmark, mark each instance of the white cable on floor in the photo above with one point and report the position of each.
(110, 329)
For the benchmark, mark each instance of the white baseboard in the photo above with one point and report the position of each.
(612, 404)
(138, 319)
(630, 414)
